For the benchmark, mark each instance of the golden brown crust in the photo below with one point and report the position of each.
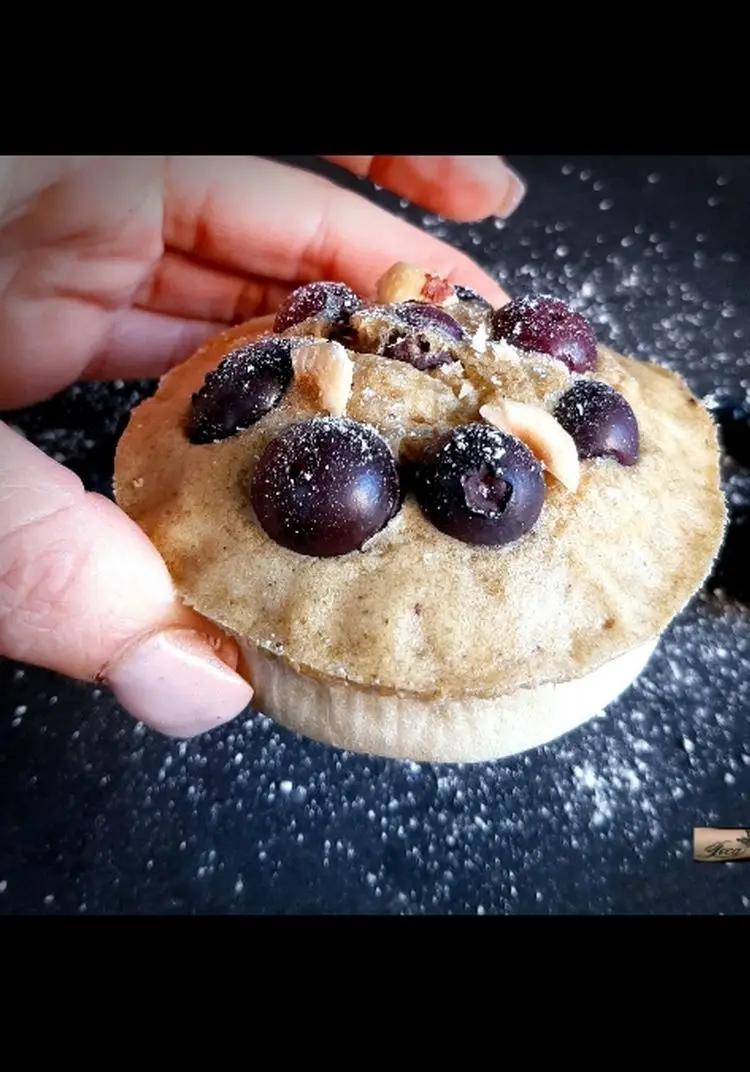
(417, 612)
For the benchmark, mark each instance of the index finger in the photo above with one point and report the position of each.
(268, 219)
(459, 187)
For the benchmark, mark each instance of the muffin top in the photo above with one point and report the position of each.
(424, 495)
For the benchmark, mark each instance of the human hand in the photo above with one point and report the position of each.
(120, 268)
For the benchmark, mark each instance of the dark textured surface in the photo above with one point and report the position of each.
(98, 815)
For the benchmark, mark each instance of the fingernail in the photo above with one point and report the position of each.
(175, 682)
(515, 191)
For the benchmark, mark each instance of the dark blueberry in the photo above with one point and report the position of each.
(418, 333)
(332, 302)
(243, 388)
(467, 294)
(415, 350)
(480, 485)
(547, 326)
(600, 421)
(325, 486)
(429, 318)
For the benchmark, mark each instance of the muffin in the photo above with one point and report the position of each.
(438, 531)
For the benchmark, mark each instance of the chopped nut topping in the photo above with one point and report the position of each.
(541, 433)
(325, 371)
(408, 282)
(439, 291)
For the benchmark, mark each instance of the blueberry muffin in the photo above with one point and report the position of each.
(438, 530)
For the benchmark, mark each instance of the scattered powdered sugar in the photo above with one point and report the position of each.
(296, 826)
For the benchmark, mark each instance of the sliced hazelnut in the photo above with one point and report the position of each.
(408, 282)
(438, 291)
(541, 432)
(324, 370)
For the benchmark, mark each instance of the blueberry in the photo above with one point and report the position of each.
(480, 486)
(332, 303)
(243, 388)
(417, 333)
(547, 326)
(415, 350)
(325, 486)
(600, 421)
(429, 318)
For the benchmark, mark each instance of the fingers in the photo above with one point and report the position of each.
(458, 187)
(141, 344)
(266, 219)
(175, 682)
(83, 592)
(242, 232)
(76, 241)
(129, 343)
(183, 287)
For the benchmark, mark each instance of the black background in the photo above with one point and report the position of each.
(99, 815)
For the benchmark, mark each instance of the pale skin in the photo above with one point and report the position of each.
(120, 267)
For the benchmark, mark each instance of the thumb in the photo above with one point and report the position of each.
(84, 592)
